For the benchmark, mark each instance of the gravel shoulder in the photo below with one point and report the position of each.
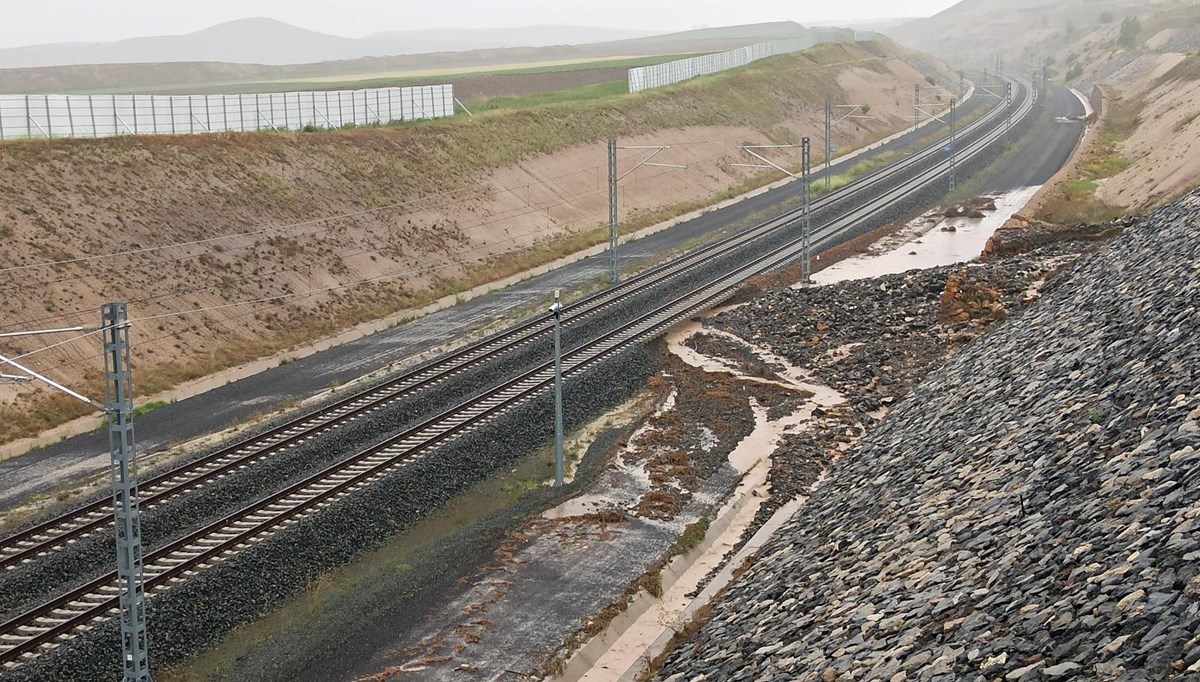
(1029, 513)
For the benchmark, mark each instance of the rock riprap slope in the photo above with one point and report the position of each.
(1031, 512)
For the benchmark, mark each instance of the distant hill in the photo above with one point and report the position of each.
(974, 31)
(148, 76)
(271, 42)
(460, 40)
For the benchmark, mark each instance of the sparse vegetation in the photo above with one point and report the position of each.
(364, 169)
(1131, 28)
(1187, 70)
(856, 171)
(691, 538)
(1076, 202)
(149, 407)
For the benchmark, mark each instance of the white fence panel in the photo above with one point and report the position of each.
(51, 116)
(650, 77)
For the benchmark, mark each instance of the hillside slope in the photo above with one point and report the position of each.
(268, 41)
(322, 231)
(1029, 513)
(1141, 157)
(203, 59)
(973, 32)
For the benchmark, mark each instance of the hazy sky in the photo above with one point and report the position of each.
(29, 23)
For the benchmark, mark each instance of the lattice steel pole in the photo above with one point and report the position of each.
(806, 218)
(123, 470)
(614, 270)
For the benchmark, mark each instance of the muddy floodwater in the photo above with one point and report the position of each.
(927, 242)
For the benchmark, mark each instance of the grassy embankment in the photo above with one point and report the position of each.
(1076, 201)
(448, 155)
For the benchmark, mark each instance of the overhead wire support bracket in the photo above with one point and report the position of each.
(50, 382)
(8, 335)
(749, 149)
(657, 149)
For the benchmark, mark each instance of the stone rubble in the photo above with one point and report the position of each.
(1031, 512)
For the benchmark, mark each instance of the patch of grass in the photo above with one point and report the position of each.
(652, 583)
(581, 94)
(149, 407)
(692, 536)
(856, 171)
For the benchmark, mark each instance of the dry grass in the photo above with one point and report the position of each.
(165, 190)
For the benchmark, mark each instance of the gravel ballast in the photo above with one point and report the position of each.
(197, 613)
(1029, 513)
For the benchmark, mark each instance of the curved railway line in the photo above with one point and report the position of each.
(62, 617)
(31, 543)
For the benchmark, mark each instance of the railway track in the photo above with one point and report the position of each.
(30, 544)
(60, 618)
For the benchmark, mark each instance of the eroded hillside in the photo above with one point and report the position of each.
(1140, 53)
(283, 238)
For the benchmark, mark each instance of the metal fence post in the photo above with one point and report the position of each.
(28, 120)
(153, 115)
(70, 116)
(49, 123)
(123, 472)
(92, 114)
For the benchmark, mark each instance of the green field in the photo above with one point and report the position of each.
(320, 83)
(582, 94)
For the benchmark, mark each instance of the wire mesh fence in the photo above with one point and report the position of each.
(53, 116)
(650, 77)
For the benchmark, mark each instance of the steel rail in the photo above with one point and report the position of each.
(57, 618)
(56, 533)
